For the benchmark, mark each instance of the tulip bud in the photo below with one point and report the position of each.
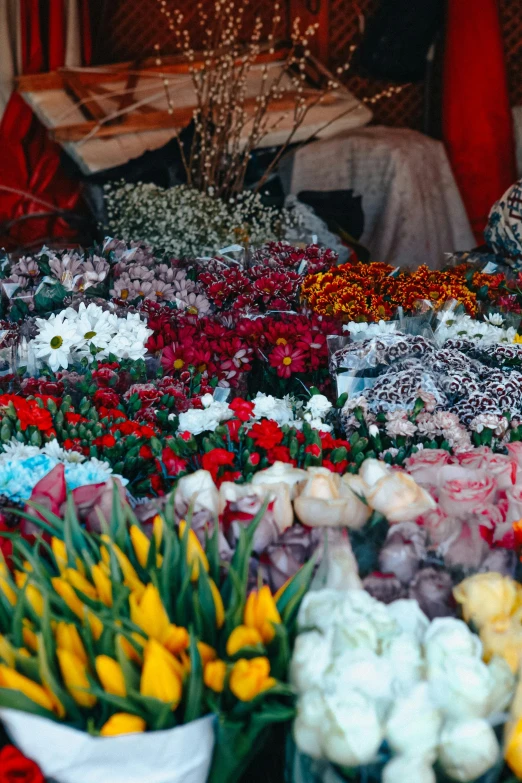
(13, 680)
(35, 599)
(250, 678)
(66, 592)
(261, 613)
(68, 638)
(74, 675)
(131, 579)
(149, 613)
(241, 637)
(29, 636)
(206, 653)
(195, 553)
(176, 639)
(102, 583)
(60, 553)
(110, 675)
(7, 590)
(79, 582)
(141, 544)
(161, 676)
(218, 604)
(123, 723)
(214, 675)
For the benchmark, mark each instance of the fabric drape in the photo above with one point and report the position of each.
(477, 119)
(30, 162)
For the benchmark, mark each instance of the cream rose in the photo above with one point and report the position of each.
(281, 473)
(399, 498)
(468, 749)
(323, 500)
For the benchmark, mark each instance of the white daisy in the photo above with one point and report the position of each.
(55, 340)
(12, 450)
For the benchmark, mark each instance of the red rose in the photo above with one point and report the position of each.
(266, 434)
(16, 768)
(242, 408)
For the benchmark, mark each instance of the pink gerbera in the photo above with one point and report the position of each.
(287, 360)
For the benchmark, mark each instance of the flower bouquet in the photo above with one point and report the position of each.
(114, 634)
(385, 695)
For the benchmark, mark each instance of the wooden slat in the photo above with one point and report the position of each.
(90, 108)
(179, 118)
(115, 73)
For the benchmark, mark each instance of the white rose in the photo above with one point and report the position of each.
(408, 769)
(311, 657)
(503, 684)
(414, 725)
(468, 749)
(352, 733)
(318, 405)
(309, 723)
(197, 488)
(406, 659)
(410, 618)
(399, 498)
(364, 671)
(323, 500)
(461, 686)
(448, 636)
(280, 472)
(320, 609)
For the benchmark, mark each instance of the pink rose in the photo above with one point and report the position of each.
(468, 550)
(502, 467)
(514, 504)
(438, 525)
(425, 465)
(462, 497)
(515, 451)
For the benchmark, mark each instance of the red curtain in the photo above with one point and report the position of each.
(477, 120)
(30, 161)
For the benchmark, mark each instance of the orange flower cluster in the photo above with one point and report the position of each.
(371, 292)
(350, 292)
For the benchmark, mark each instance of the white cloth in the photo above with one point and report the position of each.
(413, 211)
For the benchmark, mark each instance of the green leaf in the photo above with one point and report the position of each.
(194, 689)
(15, 700)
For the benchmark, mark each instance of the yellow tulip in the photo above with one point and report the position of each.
(69, 596)
(250, 678)
(6, 652)
(159, 677)
(102, 583)
(157, 529)
(60, 554)
(29, 636)
(214, 675)
(486, 596)
(130, 577)
(176, 639)
(206, 653)
(20, 578)
(196, 556)
(261, 613)
(7, 590)
(110, 675)
(10, 678)
(149, 613)
(35, 598)
(68, 638)
(218, 604)
(74, 675)
(80, 583)
(513, 752)
(242, 636)
(128, 649)
(95, 624)
(123, 723)
(141, 544)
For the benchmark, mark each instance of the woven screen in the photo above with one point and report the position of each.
(130, 29)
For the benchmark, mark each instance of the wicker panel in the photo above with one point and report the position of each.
(130, 29)
(511, 18)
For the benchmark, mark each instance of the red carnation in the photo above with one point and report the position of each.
(172, 462)
(215, 459)
(313, 449)
(266, 434)
(106, 397)
(105, 441)
(16, 768)
(242, 408)
(145, 452)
